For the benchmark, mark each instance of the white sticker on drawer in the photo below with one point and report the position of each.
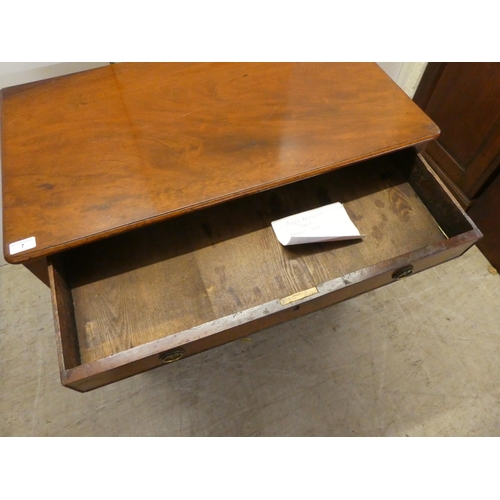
(327, 223)
(22, 245)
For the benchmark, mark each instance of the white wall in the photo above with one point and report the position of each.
(391, 68)
(15, 73)
(406, 75)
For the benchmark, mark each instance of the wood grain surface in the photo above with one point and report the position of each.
(97, 153)
(462, 98)
(159, 280)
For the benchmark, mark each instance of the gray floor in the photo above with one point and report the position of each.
(417, 358)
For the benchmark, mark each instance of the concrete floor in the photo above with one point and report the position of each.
(416, 358)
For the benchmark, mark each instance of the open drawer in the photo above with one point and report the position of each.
(153, 295)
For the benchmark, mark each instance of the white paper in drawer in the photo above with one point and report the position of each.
(327, 223)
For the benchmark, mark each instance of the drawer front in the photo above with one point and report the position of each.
(172, 349)
(152, 297)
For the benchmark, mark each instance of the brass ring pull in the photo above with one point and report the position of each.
(403, 272)
(171, 356)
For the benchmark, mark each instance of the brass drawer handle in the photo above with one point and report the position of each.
(171, 356)
(403, 272)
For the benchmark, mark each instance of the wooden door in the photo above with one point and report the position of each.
(464, 101)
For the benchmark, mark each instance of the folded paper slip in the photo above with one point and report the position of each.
(327, 223)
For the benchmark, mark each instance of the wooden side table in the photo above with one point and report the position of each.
(145, 192)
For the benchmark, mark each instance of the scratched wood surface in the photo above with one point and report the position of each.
(157, 280)
(103, 151)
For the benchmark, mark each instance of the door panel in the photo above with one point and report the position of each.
(464, 101)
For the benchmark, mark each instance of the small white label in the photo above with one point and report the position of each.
(327, 223)
(22, 245)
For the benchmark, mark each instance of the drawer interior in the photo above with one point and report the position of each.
(175, 275)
